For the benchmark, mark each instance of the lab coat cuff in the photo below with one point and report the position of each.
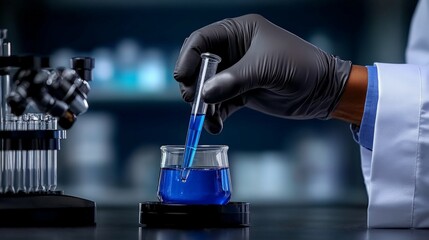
(397, 182)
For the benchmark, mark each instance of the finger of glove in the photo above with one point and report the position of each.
(213, 123)
(232, 82)
(187, 92)
(216, 115)
(212, 38)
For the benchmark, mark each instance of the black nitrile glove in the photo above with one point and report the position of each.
(265, 68)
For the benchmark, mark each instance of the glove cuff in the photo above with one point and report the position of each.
(341, 71)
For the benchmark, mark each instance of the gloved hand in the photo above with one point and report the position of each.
(265, 68)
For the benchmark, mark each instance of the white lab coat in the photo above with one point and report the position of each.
(396, 172)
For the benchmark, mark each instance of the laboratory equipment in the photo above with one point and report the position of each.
(35, 101)
(208, 180)
(203, 200)
(208, 69)
(159, 215)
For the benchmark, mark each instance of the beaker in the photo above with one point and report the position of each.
(208, 182)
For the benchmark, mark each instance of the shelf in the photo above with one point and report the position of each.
(111, 95)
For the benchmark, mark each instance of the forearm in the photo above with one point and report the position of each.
(351, 105)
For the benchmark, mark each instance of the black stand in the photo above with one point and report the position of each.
(156, 214)
(48, 209)
(45, 209)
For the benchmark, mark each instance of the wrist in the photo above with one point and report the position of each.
(350, 108)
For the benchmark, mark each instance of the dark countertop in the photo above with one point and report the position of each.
(267, 222)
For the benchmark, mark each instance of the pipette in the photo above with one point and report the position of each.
(208, 68)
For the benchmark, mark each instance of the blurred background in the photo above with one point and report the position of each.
(112, 153)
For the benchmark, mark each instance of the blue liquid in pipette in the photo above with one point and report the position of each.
(203, 186)
(194, 131)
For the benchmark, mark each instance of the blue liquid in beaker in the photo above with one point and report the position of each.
(194, 131)
(203, 186)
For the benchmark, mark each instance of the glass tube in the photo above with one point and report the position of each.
(22, 187)
(52, 157)
(37, 159)
(5, 50)
(18, 170)
(27, 164)
(43, 160)
(32, 179)
(209, 63)
(10, 159)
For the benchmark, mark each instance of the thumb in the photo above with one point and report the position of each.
(231, 82)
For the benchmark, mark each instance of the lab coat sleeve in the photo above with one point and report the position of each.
(417, 51)
(396, 172)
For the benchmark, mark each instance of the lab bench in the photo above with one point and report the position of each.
(267, 222)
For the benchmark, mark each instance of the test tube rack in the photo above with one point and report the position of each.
(28, 163)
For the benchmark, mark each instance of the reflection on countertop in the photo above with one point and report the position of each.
(267, 222)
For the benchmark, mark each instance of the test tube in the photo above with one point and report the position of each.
(10, 158)
(54, 154)
(36, 164)
(28, 176)
(19, 170)
(38, 175)
(43, 160)
(209, 63)
(5, 50)
(52, 157)
(23, 127)
(31, 166)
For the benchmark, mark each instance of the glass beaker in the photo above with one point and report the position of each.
(208, 180)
